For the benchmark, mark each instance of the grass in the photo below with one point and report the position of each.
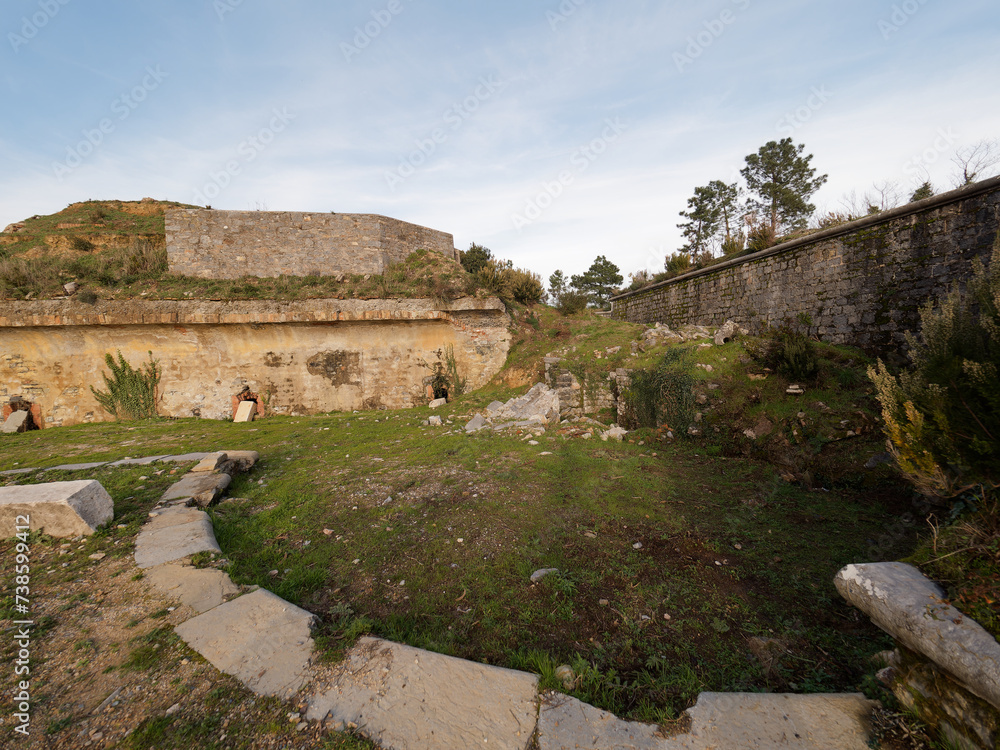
(378, 524)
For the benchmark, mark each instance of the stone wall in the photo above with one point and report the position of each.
(861, 283)
(230, 244)
(303, 357)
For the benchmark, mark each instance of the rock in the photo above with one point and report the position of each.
(201, 589)
(438, 402)
(764, 427)
(246, 411)
(18, 421)
(754, 376)
(98, 556)
(435, 421)
(173, 709)
(879, 459)
(211, 462)
(494, 408)
(565, 723)
(726, 333)
(701, 399)
(14, 228)
(60, 509)
(566, 676)
(259, 638)
(478, 422)
(240, 461)
(200, 486)
(404, 697)
(175, 533)
(540, 574)
(71, 287)
(912, 609)
(795, 390)
(615, 433)
(540, 404)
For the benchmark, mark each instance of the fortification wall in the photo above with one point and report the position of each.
(304, 357)
(862, 283)
(229, 244)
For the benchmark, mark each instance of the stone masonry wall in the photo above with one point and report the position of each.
(230, 244)
(862, 283)
(304, 357)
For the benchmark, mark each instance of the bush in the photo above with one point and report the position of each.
(131, 393)
(942, 416)
(81, 244)
(475, 258)
(662, 395)
(785, 350)
(525, 286)
(572, 302)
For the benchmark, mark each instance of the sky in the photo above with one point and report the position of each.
(550, 131)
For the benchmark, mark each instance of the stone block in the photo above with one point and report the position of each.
(211, 462)
(60, 509)
(200, 486)
(18, 421)
(246, 411)
(259, 638)
(438, 402)
(201, 589)
(404, 697)
(168, 543)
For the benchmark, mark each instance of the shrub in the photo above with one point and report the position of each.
(492, 278)
(131, 393)
(525, 286)
(572, 302)
(785, 350)
(476, 257)
(81, 244)
(678, 263)
(661, 395)
(942, 416)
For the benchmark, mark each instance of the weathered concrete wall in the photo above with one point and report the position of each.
(300, 357)
(862, 283)
(230, 244)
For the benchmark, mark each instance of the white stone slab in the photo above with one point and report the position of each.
(181, 458)
(211, 462)
(403, 697)
(137, 461)
(912, 609)
(201, 589)
(77, 467)
(246, 411)
(565, 723)
(196, 485)
(157, 546)
(60, 509)
(16, 422)
(260, 639)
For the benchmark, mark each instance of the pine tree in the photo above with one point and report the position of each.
(781, 181)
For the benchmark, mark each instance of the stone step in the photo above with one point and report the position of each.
(169, 542)
(259, 638)
(200, 589)
(405, 697)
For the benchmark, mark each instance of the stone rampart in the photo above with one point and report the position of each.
(301, 357)
(862, 283)
(229, 244)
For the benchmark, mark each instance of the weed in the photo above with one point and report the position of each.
(662, 394)
(131, 393)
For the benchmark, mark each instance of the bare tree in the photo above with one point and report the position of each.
(975, 161)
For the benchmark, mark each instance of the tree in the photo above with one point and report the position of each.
(781, 181)
(702, 223)
(599, 281)
(557, 286)
(924, 191)
(476, 258)
(973, 161)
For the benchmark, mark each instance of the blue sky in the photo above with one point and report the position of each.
(552, 132)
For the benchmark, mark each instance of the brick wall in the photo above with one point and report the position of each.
(230, 244)
(862, 283)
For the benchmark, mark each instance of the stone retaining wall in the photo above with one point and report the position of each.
(304, 357)
(861, 283)
(229, 244)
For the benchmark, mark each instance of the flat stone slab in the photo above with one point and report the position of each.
(245, 412)
(169, 543)
(137, 461)
(193, 485)
(77, 467)
(200, 589)
(403, 697)
(211, 462)
(735, 721)
(16, 422)
(14, 472)
(565, 723)
(243, 460)
(260, 639)
(912, 609)
(183, 458)
(60, 509)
